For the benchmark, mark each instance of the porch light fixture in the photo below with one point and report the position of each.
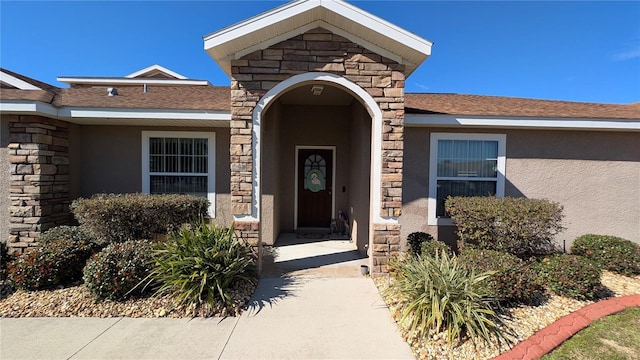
(317, 89)
(112, 91)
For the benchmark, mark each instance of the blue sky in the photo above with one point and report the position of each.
(574, 50)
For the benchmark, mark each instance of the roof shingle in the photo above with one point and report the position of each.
(157, 97)
(479, 105)
(217, 98)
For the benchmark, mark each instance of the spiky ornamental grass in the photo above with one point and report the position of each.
(438, 294)
(201, 264)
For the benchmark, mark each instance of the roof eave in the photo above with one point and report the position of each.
(292, 19)
(128, 81)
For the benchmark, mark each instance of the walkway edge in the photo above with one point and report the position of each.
(547, 339)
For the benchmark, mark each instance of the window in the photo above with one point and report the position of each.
(464, 165)
(315, 173)
(179, 163)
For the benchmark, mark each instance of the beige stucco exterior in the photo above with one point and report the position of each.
(594, 175)
(4, 179)
(108, 159)
(381, 159)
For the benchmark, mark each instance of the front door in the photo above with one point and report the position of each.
(315, 186)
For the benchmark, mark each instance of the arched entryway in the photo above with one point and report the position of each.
(314, 158)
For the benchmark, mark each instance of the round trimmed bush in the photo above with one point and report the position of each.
(433, 247)
(115, 272)
(122, 217)
(57, 262)
(415, 241)
(571, 275)
(71, 233)
(513, 280)
(612, 253)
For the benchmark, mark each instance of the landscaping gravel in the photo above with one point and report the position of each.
(525, 321)
(77, 301)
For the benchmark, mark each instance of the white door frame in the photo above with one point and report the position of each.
(333, 180)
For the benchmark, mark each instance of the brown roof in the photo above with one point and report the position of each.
(183, 97)
(34, 82)
(478, 105)
(29, 95)
(200, 97)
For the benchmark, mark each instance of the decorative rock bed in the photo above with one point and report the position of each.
(525, 321)
(77, 301)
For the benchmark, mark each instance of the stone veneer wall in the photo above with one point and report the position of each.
(319, 50)
(39, 184)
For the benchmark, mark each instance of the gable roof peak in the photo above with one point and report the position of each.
(294, 18)
(156, 71)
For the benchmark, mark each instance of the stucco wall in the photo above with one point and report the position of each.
(4, 179)
(594, 175)
(107, 159)
(272, 166)
(359, 176)
(287, 126)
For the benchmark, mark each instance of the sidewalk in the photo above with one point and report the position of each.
(294, 314)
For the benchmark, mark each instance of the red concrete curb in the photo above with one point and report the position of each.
(547, 339)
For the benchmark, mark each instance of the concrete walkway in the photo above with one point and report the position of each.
(311, 303)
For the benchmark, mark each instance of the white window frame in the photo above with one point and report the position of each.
(211, 160)
(433, 169)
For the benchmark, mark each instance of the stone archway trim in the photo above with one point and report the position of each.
(376, 143)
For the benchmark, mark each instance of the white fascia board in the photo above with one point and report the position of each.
(258, 22)
(22, 106)
(313, 25)
(68, 113)
(275, 40)
(375, 48)
(14, 81)
(157, 68)
(379, 25)
(123, 81)
(289, 11)
(521, 122)
(159, 114)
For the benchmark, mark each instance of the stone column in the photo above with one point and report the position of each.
(320, 50)
(39, 184)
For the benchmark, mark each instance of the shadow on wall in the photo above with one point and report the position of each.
(521, 145)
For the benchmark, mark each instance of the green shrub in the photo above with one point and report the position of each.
(415, 241)
(115, 272)
(519, 226)
(201, 264)
(438, 294)
(57, 262)
(119, 218)
(570, 275)
(431, 248)
(612, 253)
(514, 281)
(70, 233)
(5, 258)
